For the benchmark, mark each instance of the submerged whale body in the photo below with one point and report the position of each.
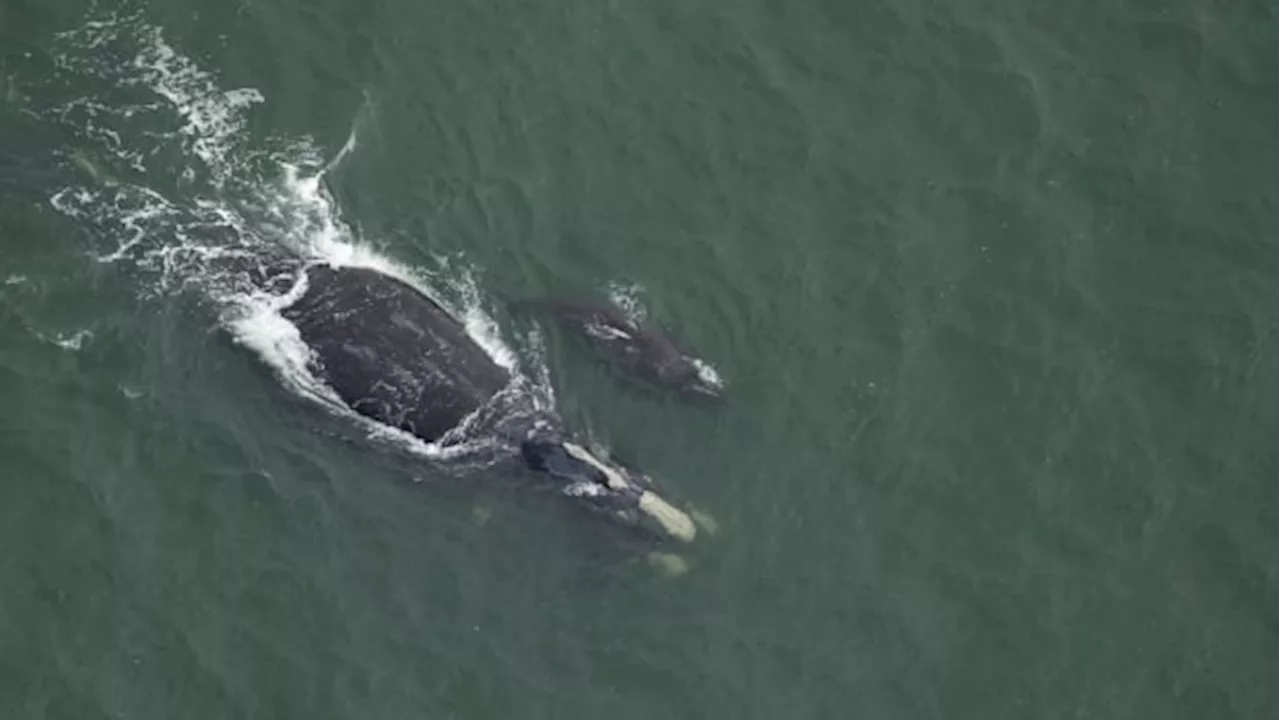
(636, 347)
(393, 355)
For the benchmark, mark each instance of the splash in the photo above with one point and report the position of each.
(191, 200)
(628, 299)
(707, 372)
(214, 118)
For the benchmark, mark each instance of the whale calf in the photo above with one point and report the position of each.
(636, 347)
(393, 355)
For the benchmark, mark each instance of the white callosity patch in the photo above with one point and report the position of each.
(210, 200)
(612, 477)
(584, 489)
(607, 332)
(675, 521)
(706, 372)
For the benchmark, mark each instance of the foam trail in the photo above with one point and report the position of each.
(214, 118)
(328, 241)
(179, 232)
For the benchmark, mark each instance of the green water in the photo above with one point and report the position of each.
(991, 286)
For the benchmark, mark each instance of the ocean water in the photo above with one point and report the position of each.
(987, 283)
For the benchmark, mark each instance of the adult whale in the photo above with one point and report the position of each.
(392, 354)
(637, 347)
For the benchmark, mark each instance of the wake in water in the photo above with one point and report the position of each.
(184, 200)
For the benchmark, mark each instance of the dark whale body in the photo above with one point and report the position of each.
(636, 347)
(392, 354)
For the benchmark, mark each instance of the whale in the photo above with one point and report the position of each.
(635, 348)
(394, 355)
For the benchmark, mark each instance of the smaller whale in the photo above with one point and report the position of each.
(391, 354)
(638, 348)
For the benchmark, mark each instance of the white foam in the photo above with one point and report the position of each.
(180, 235)
(628, 298)
(707, 372)
(330, 242)
(67, 341)
(214, 117)
(256, 323)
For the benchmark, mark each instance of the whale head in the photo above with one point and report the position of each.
(623, 494)
(691, 376)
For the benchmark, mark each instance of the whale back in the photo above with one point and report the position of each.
(391, 353)
(637, 347)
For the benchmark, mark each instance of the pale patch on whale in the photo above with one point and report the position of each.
(676, 522)
(706, 372)
(607, 332)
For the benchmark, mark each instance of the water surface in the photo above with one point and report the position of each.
(991, 286)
